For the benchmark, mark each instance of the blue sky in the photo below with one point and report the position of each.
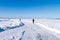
(30, 8)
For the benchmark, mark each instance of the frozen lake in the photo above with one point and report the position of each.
(42, 29)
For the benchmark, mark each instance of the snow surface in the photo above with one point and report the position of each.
(54, 23)
(14, 29)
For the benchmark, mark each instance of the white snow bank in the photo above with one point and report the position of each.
(11, 22)
(53, 23)
(49, 28)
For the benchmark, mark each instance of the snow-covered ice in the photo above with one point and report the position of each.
(14, 29)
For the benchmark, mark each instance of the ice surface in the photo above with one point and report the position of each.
(9, 26)
(22, 35)
(1, 30)
(14, 29)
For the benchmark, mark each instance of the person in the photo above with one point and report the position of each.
(33, 20)
(20, 19)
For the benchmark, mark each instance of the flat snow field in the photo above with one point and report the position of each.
(24, 29)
